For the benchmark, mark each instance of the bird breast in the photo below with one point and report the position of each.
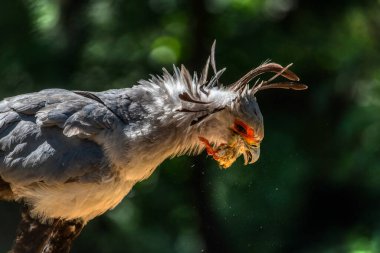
(73, 200)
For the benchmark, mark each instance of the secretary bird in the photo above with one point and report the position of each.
(69, 156)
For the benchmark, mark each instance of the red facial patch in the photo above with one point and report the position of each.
(245, 131)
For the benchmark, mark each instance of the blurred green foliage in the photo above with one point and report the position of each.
(316, 187)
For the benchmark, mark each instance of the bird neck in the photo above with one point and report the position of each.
(155, 129)
(170, 126)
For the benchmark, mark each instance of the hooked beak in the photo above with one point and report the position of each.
(251, 153)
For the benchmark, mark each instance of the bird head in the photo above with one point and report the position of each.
(226, 120)
(236, 130)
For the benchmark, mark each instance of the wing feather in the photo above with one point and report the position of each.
(50, 136)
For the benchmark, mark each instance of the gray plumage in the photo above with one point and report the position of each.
(76, 154)
(38, 143)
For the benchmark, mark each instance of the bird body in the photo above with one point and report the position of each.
(73, 155)
(70, 156)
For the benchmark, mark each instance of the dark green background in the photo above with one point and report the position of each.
(316, 187)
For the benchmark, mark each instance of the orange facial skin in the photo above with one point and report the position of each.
(245, 131)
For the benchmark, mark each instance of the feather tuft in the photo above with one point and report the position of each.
(195, 98)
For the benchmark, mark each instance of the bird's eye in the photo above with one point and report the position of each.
(239, 128)
(244, 130)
